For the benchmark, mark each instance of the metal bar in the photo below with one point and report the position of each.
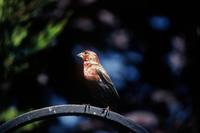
(66, 110)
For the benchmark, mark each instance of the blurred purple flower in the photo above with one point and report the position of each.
(144, 118)
(107, 17)
(43, 78)
(120, 39)
(84, 24)
(87, 2)
(176, 57)
(176, 62)
(178, 44)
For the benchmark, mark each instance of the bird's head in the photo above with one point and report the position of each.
(89, 56)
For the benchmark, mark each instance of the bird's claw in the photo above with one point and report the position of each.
(106, 111)
(87, 108)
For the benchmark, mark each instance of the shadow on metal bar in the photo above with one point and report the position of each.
(66, 110)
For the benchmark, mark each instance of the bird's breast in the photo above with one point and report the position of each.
(90, 73)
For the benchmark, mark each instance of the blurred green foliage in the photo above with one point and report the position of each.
(29, 127)
(46, 36)
(13, 112)
(9, 114)
(26, 27)
(19, 33)
(19, 37)
(17, 11)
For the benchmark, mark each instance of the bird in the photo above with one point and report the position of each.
(101, 87)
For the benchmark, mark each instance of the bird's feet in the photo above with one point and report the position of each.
(105, 112)
(87, 108)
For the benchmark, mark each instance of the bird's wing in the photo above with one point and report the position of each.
(106, 82)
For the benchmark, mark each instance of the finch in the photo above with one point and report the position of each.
(101, 86)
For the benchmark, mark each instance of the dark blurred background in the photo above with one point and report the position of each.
(147, 47)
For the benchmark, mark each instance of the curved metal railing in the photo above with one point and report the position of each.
(71, 109)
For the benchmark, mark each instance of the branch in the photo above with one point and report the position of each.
(66, 110)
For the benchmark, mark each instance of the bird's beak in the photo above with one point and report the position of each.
(80, 55)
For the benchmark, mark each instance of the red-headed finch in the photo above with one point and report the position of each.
(101, 86)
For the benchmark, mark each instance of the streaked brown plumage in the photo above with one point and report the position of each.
(101, 85)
